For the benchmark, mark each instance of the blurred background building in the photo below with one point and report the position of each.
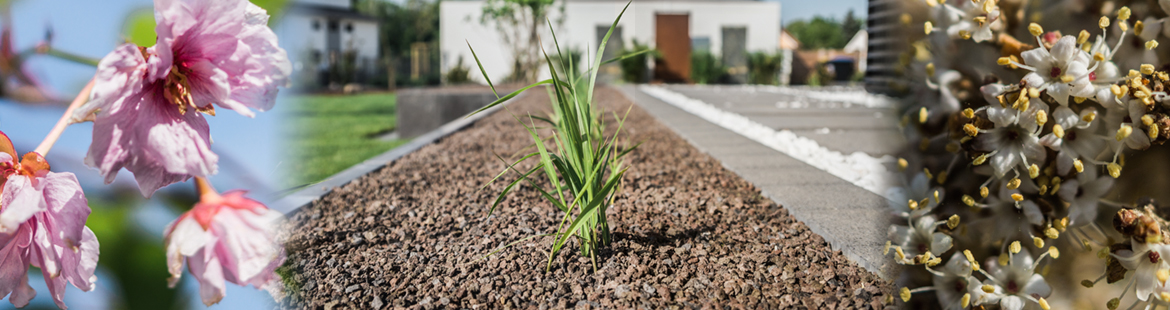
(678, 30)
(335, 44)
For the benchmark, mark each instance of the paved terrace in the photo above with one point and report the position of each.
(758, 136)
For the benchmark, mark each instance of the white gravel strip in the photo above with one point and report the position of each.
(858, 168)
(843, 95)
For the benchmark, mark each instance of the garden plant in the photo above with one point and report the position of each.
(148, 106)
(1021, 117)
(585, 168)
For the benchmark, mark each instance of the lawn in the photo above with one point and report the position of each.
(329, 133)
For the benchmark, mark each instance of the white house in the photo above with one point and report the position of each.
(319, 34)
(729, 28)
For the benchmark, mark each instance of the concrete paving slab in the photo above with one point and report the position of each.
(850, 218)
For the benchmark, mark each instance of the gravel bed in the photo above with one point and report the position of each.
(687, 234)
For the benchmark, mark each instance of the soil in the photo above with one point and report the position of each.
(687, 234)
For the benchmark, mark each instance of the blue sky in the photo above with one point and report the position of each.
(248, 148)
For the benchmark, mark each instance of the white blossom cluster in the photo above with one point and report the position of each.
(1018, 135)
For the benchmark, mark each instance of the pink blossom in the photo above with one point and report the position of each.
(226, 238)
(150, 102)
(42, 223)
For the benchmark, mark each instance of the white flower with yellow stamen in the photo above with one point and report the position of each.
(1077, 137)
(975, 19)
(919, 189)
(1144, 260)
(1017, 283)
(920, 237)
(1083, 195)
(1014, 141)
(952, 283)
(1127, 113)
(1062, 71)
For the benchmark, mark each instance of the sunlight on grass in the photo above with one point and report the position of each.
(329, 133)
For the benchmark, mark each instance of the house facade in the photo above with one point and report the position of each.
(728, 29)
(329, 43)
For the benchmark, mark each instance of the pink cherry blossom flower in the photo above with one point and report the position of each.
(149, 102)
(42, 223)
(225, 238)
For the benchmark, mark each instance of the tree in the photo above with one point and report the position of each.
(519, 23)
(851, 25)
(819, 33)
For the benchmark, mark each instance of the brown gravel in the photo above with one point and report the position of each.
(687, 234)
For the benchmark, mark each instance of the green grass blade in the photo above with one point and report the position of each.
(504, 193)
(600, 49)
(512, 244)
(481, 70)
(628, 55)
(510, 96)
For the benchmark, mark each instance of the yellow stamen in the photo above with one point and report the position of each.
(1035, 29)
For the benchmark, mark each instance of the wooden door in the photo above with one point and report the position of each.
(672, 38)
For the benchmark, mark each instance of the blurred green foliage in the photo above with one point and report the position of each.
(824, 32)
(329, 133)
(707, 69)
(634, 68)
(138, 26)
(136, 258)
(763, 68)
(401, 26)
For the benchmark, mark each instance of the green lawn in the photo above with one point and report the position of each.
(329, 133)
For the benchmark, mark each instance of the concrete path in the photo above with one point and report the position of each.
(851, 218)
